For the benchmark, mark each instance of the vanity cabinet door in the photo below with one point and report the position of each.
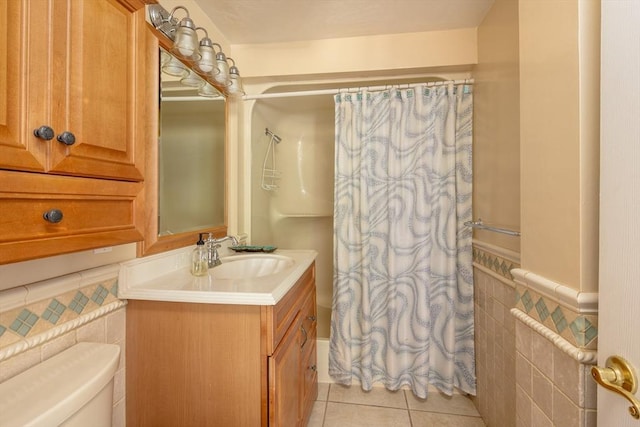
(20, 149)
(308, 362)
(284, 379)
(76, 70)
(104, 96)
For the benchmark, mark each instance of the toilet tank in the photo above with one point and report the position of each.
(73, 388)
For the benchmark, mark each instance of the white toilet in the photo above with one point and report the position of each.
(73, 388)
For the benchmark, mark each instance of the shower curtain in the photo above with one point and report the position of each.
(403, 284)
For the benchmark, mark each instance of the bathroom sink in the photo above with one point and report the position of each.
(250, 266)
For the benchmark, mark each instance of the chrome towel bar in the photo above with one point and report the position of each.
(481, 226)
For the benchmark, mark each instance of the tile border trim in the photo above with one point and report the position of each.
(585, 357)
(579, 302)
(501, 252)
(36, 340)
(495, 261)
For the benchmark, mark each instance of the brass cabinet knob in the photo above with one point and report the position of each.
(619, 377)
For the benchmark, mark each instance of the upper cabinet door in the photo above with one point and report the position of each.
(96, 102)
(19, 147)
(78, 68)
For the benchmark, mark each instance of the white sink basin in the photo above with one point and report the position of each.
(245, 279)
(250, 266)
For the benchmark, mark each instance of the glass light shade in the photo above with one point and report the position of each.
(174, 67)
(192, 80)
(208, 91)
(207, 63)
(235, 86)
(185, 43)
(223, 67)
(164, 58)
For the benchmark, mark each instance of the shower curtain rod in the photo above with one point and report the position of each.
(347, 90)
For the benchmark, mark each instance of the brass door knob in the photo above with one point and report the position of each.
(619, 377)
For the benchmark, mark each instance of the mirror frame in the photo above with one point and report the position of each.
(147, 202)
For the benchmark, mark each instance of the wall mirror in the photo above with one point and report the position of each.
(191, 167)
(185, 170)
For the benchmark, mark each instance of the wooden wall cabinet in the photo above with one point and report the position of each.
(223, 365)
(78, 68)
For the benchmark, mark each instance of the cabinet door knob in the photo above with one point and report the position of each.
(67, 138)
(44, 132)
(53, 216)
(313, 367)
(312, 318)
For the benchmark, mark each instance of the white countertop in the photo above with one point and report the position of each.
(166, 277)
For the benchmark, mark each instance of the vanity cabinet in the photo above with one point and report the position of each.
(222, 364)
(74, 96)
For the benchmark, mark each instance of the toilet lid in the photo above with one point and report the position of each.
(55, 389)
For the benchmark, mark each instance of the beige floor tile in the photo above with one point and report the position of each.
(378, 396)
(430, 419)
(317, 414)
(323, 391)
(439, 402)
(345, 415)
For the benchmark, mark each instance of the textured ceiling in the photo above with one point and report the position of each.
(275, 21)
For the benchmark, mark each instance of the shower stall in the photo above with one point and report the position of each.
(294, 210)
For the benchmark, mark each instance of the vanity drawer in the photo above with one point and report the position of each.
(282, 315)
(95, 213)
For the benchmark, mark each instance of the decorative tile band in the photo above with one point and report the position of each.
(566, 312)
(586, 357)
(491, 262)
(36, 340)
(33, 323)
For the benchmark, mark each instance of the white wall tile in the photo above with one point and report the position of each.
(116, 324)
(58, 345)
(19, 363)
(50, 288)
(92, 332)
(12, 298)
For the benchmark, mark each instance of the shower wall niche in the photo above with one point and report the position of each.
(298, 214)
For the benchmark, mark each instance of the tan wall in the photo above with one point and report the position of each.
(559, 140)
(496, 154)
(400, 52)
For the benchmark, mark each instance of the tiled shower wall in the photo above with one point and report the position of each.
(534, 348)
(40, 320)
(495, 338)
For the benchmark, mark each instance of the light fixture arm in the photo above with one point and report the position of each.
(170, 17)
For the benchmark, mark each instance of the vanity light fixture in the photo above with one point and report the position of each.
(174, 67)
(235, 87)
(185, 43)
(223, 67)
(208, 91)
(207, 63)
(192, 80)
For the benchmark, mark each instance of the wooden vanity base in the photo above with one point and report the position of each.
(191, 364)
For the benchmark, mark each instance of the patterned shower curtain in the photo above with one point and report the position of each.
(403, 281)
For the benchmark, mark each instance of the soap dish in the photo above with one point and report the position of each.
(245, 248)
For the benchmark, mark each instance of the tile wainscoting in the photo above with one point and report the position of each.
(42, 319)
(556, 342)
(494, 297)
(535, 343)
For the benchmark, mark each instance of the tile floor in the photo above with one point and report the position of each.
(351, 407)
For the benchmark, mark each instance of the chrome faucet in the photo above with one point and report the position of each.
(213, 244)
